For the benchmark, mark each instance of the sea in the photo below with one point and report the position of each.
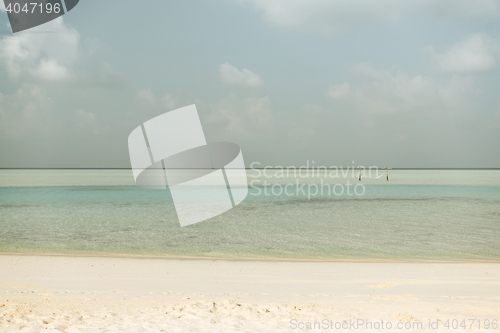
(304, 214)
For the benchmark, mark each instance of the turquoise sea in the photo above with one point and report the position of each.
(417, 214)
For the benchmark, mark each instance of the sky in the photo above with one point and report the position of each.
(405, 84)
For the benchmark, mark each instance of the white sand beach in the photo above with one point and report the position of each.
(112, 294)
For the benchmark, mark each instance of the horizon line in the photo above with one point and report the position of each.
(269, 168)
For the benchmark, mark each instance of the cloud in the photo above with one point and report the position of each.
(244, 116)
(384, 92)
(55, 53)
(85, 117)
(27, 111)
(45, 56)
(169, 101)
(475, 53)
(341, 17)
(233, 76)
(146, 97)
(87, 123)
(495, 123)
(339, 91)
(50, 70)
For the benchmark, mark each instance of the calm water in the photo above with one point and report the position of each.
(417, 214)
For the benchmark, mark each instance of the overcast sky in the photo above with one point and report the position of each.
(411, 83)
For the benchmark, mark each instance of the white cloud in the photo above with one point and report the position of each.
(84, 116)
(169, 101)
(88, 124)
(50, 70)
(476, 53)
(339, 91)
(233, 76)
(147, 98)
(382, 92)
(45, 56)
(25, 112)
(244, 116)
(496, 119)
(341, 17)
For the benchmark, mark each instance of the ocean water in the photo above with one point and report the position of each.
(417, 214)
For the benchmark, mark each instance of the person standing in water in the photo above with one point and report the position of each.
(387, 173)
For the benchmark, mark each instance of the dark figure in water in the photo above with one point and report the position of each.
(359, 173)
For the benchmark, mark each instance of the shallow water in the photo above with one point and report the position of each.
(418, 214)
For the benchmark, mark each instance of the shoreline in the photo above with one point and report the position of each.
(262, 259)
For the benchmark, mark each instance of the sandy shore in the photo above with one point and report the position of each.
(102, 294)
